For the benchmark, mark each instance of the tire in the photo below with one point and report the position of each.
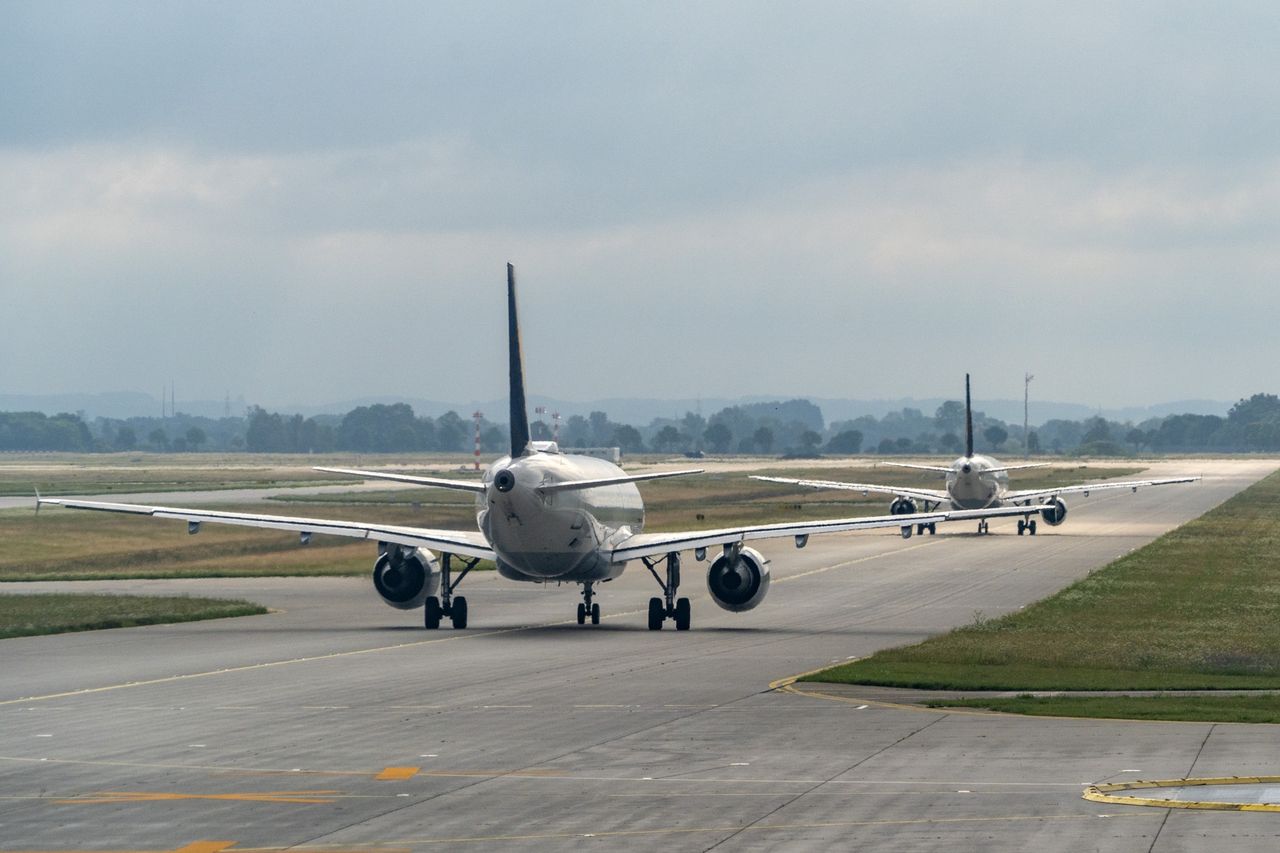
(459, 612)
(431, 613)
(682, 614)
(595, 614)
(656, 614)
(1022, 526)
(1031, 525)
(582, 613)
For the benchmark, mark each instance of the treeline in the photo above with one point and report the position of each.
(793, 427)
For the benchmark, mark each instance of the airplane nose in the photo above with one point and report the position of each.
(504, 480)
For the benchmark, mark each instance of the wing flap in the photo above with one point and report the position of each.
(934, 495)
(466, 543)
(571, 485)
(1084, 488)
(435, 482)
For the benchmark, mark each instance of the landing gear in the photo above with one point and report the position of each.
(983, 527)
(586, 607)
(931, 528)
(1027, 525)
(668, 607)
(455, 607)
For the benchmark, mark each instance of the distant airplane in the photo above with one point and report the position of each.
(976, 482)
(547, 517)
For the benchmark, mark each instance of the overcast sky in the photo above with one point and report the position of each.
(307, 202)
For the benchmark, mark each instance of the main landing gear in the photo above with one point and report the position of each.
(667, 607)
(983, 527)
(1027, 525)
(586, 607)
(455, 607)
(931, 528)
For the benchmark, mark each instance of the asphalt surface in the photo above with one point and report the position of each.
(338, 724)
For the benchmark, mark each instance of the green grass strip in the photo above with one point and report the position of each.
(57, 613)
(1216, 709)
(1195, 609)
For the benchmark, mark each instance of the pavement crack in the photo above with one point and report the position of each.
(854, 766)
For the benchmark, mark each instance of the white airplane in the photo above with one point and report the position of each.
(546, 517)
(976, 482)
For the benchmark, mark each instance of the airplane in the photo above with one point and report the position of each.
(977, 482)
(545, 516)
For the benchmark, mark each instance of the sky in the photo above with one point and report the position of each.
(311, 201)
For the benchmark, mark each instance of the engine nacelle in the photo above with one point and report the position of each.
(404, 577)
(741, 585)
(902, 506)
(1054, 511)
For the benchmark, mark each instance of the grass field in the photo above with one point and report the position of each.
(1196, 609)
(30, 615)
(59, 544)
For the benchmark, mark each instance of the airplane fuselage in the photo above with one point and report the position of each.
(556, 535)
(976, 482)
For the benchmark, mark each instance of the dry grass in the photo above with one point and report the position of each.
(31, 615)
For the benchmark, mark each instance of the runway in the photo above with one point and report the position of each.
(337, 724)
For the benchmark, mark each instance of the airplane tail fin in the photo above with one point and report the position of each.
(968, 420)
(519, 414)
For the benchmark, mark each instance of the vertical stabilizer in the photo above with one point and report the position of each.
(519, 415)
(968, 420)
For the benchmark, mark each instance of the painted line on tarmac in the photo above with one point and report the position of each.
(657, 831)
(270, 664)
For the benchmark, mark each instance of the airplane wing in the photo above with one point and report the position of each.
(935, 495)
(436, 482)
(468, 544)
(1020, 467)
(652, 544)
(1086, 488)
(939, 469)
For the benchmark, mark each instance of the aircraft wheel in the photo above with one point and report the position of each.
(431, 613)
(582, 613)
(1031, 526)
(459, 612)
(656, 614)
(682, 614)
(933, 528)
(1022, 526)
(595, 614)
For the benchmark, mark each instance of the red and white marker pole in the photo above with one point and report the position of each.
(477, 415)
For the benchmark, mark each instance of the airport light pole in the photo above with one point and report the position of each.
(478, 415)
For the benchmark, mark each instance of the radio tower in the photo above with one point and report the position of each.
(478, 415)
(555, 427)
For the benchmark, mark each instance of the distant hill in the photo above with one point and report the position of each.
(639, 411)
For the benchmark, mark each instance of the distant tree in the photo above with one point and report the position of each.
(809, 441)
(599, 428)
(950, 416)
(1096, 429)
(667, 439)
(1033, 442)
(451, 432)
(887, 445)
(718, 437)
(762, 438)
(539, 431)
(126, 438)
(1136, 437)
(493, 440)
(996, 435)
(195, 437)
(847, 442)
(950, 442)
(158, 439)
(903, 445)
(627, 438)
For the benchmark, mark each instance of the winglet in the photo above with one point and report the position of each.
(37, 488)
(968, 421)
(519, 414)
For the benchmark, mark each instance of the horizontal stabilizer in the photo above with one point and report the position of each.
(435, 482)
(941, 469)
(1015, 467)
(571, 485)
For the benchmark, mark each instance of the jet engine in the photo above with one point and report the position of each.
(404, 577)
(902, 506)
(740, 584)
(1054, 511)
